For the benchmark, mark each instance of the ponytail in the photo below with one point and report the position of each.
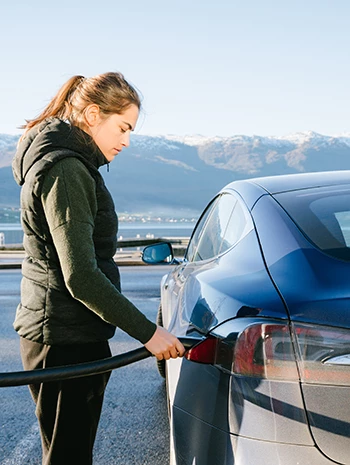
(59, 106)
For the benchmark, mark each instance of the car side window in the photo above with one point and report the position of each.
(238, 224)
(210, 241)
(193, 244)
(343, 219)
(223, 224)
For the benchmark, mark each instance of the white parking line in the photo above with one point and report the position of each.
(24, 447)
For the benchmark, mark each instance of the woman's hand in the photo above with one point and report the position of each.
(165, 345)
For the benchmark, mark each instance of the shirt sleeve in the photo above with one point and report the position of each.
(70, 206)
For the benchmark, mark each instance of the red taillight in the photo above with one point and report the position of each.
(204, 352)
(262, 350)
(310, 353)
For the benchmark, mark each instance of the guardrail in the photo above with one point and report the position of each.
(124, 243)
(11, 256)
(21, 378)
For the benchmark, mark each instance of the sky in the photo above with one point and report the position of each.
(215, 68)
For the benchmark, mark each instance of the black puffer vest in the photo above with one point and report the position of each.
(48, 313)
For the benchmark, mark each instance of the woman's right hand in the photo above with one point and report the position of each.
(165, 345)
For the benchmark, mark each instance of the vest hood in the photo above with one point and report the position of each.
(51, 135)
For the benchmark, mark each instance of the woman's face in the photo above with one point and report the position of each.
(112, 134)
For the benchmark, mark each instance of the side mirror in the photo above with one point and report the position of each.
(160, 253)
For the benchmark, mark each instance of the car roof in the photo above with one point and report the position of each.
(289, 182)
(253, 188)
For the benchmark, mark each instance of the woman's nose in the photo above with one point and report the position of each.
(126, 139)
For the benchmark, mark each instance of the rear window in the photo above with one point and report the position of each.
(323, 215)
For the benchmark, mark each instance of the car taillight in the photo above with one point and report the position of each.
(205, 351)
(323, 354)
(262, 350)
(310, 353)
(266, 351)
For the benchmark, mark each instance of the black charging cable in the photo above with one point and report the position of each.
(21, 378)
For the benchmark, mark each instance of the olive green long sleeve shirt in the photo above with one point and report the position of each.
(69, 201)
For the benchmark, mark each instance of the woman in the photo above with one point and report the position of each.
(71, 301)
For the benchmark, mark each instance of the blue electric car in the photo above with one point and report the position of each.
(265, 288)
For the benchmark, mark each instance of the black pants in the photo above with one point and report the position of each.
(68, 411)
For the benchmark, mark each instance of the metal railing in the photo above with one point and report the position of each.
(133, 242)
(12, 256)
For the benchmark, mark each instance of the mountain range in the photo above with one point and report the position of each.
(178, 175)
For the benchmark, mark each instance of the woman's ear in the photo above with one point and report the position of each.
(92, 115)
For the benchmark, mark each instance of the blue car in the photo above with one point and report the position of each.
(265, 289)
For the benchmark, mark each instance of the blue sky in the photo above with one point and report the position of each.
(221, 67)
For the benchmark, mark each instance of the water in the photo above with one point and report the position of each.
(12, 232)
(163, 230)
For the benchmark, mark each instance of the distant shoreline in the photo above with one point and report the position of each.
(122, 225)
(12, 233)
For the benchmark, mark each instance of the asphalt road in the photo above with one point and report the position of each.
(134, 426)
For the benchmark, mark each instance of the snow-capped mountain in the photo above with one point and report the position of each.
(158, 172)
(298, 138)
(254, 155)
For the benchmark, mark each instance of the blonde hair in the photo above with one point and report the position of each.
(110, 91)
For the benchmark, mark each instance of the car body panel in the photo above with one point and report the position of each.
(260, 409)
(249, 192)
(322, 295)
(328, 410)
(221, 448)
(289, 182)
(197, 296)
